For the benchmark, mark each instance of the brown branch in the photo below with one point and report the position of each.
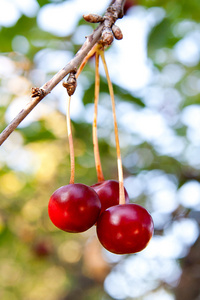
(101, 33)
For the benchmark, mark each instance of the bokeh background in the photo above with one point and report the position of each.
(156, 77)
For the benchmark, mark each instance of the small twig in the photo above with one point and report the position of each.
(102, 32)
(39, 93)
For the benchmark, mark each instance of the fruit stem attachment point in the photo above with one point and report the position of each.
(119, 160)
(99, 171)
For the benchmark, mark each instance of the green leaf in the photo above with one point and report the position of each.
(160, 36)
(44, 2)
(36, 132)
(120, 92)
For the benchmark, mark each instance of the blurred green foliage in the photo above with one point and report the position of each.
(37, 260)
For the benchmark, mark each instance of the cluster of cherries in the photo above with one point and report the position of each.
(122, 227)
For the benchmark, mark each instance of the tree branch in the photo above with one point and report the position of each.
(100, 34)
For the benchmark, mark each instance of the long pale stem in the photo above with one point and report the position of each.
(70, 138)
(100, 176)
(90, 53)
(68, 119)
(119, 160)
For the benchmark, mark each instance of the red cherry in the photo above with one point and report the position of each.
(124, 229)
(108, 192)
(42, 248)
(74, 207)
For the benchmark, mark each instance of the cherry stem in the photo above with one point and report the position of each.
(100, 176)
(119, 160)
(70, 138)
(90, 53)
(68, 119)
